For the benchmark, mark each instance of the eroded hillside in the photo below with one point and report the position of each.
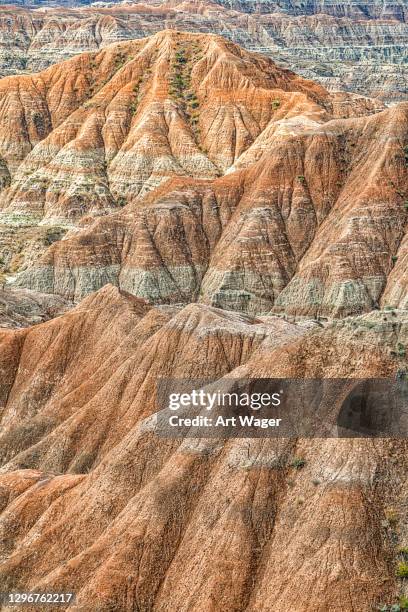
(213, 216)
(94, 502)
(187, 169)
(357, 46)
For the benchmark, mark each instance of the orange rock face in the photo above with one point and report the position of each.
(203, 206)
(94, 501)
(111, 125)
(358, 46)
(242, 181)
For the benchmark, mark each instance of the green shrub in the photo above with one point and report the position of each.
(180, 57)
(402, 569)
(401, 350)
(53, 234)
(398, 607)
(391, 515)
(298, 463)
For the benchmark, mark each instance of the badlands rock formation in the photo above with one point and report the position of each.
(372, 9)
(214, 176)
(22, 308)
(202, 203)
(358, 46)
(93, 501)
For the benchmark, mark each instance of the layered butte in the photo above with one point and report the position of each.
(360, 46)
(187, 169)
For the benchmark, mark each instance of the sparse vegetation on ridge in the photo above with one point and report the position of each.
(180, 88)
(298, 463)
(402, 569)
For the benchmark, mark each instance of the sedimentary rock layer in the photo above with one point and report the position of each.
(243, 186)
(359, 46)
(214, 176)
(22, 308)
(186, 169)
(89, 133)
(92, 501)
